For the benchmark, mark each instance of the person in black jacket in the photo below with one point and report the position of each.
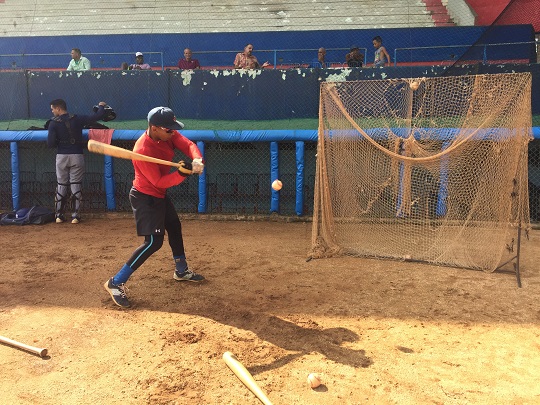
(65, 134)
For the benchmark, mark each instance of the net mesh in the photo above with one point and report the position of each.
(429, 169)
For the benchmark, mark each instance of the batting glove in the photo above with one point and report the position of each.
(185, 168)
(198, 166)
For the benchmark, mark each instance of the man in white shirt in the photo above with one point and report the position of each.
(78, 63)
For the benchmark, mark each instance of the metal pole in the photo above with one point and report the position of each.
(516, 264)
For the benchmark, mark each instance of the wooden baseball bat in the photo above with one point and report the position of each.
(245, 376)
(36, 350)
(115, 151)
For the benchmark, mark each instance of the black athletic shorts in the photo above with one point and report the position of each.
(149, 212)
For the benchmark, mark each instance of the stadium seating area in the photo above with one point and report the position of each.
(50, 17)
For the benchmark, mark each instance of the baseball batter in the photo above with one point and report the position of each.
(153, 210)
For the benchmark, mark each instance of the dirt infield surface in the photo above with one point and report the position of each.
(379, 332)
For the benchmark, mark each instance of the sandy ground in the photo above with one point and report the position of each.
(378, 332)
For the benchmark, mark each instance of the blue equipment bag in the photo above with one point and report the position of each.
(36, 215)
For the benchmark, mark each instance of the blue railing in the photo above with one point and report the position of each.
(279, 58)
(511, 51)
(98, 60)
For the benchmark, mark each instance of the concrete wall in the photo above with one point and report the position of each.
(461, 12)
(78, 17)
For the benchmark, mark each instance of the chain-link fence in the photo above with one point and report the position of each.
(237, 180)
(231, 188)
(421, 38)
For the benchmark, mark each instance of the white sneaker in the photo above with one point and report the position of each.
(59, 220)
(75, 221)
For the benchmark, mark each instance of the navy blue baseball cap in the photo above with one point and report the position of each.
(164, 117)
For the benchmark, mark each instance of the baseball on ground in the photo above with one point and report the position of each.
(314, 380)
(276, 185)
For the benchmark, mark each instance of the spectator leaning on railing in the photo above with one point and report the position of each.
(354, 58)
(78, 62)
(188, 62)
(139, 63)
(320, 61)
(246, 59)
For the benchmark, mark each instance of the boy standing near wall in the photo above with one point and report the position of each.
(381, 55)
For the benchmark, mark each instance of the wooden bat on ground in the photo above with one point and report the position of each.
(115, 151)
(245, 376)
(36, 350)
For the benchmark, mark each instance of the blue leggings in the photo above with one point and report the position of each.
(151, 244)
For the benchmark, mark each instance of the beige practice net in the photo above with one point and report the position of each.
(427, 169)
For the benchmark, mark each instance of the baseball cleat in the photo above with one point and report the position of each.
(118, 293)
(188, 275)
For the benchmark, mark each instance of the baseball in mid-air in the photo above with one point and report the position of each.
(314, 380)
(414, 85)
(276, 185)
